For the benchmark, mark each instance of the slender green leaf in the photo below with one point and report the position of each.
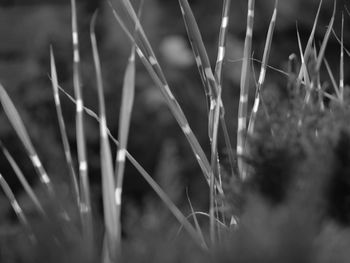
(63, 132)
(110, 194)
(263, 68)
(244, 89)
(85, 207)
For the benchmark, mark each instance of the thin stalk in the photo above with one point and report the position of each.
(63, 132)
(341, 70)
(85, 207)
(244, 90)
(264, 63)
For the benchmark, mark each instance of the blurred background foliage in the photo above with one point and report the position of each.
(29, 27)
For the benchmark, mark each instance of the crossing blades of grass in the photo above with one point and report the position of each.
(62, 126)
(21, 131)
(325, 40)
(308, 48)
(22, 179)
(263, 68)
(127, 102)
(156, 188)
(244, 89)
(85, 207)
(305, 73)
(147, 57)
(198, 228)
(18, 210)
(202, 61)
(111, 198)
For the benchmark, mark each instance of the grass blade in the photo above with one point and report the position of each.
(157, 189)
(22, 179)
(18, 210)
(331, 76)
(263, 68)
(308, 48)
(325, 40)
(341, 70)
(110, 195)
(21, 131)
(149, 60)
(244, 89)
(63, 132)
(85, 207)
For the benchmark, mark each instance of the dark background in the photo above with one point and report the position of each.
(28, 27)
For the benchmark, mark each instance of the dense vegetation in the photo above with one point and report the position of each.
(259, 173)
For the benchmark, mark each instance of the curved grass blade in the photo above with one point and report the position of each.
(198, 228)
(22, 179)
(244, 89)
(109, 193)
(85, 207)
(263, 68)
(157, 189)
(149, 60)
(18, 210)
(63, 132)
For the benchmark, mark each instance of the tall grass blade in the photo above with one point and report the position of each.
(149, 60)
(225, 17)
(244, 89)
(110, 194)
(63, 132)
(22, 179)
(18, 210)
(202, 61)
(263, 68)
(85, 207)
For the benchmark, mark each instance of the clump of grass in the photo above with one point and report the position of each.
(270, 173)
